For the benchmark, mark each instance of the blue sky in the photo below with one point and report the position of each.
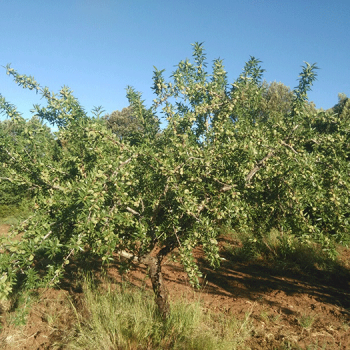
(98, 47)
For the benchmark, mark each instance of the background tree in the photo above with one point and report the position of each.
(277, 100)
(126, 125)
(343, 105)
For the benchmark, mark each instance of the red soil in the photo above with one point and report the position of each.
(278, 301)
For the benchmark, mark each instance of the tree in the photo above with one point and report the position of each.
(123, 123)
(130, 126)
(343, 105)
(224, 158)
(277, 100)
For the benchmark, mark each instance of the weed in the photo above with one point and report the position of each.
(276, 319)
(306, 321)
(22, 308)
(264, 315)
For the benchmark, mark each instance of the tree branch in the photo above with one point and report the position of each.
(289, 146)
(132, 211)
(258, 166)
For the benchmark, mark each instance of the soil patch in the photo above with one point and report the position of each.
(289, 310)
(4, 229)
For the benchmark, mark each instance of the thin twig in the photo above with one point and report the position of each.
(289, 146)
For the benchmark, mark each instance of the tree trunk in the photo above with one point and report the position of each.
(154, 264)
(161, 294)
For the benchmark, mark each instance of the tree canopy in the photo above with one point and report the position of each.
(251, 156)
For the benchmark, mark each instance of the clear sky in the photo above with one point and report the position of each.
(98, 47)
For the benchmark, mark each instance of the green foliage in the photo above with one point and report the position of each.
(13, 214)
(342, 108)
(285, 252)
(22, 147)
(228, 156)
(22, 309)
(16, 140)
(306, 321)
(124, 125)
(132, 126)
(252, 72)
(276, 102)
(307, 77)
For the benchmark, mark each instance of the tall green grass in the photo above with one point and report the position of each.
(125, 317)
(283, 250)
(12, 214)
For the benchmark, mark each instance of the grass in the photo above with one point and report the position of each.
(306, 321)
(125, 317)
(13, 214)
(284, 251)
(20, 314)
(121, 316)
(267, 317)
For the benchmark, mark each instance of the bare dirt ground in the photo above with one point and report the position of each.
(288, 310)
(4, 229)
